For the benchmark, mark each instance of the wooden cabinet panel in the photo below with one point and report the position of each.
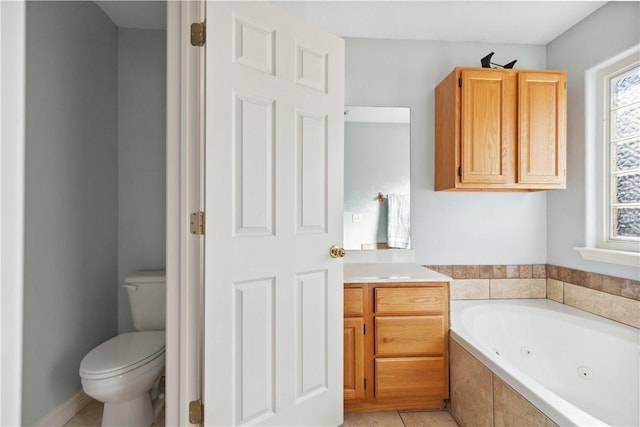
(500, 129)
(488, 126)
(542, 128)
(353, 358)
(401, 361)
(409, 335)
(353, 302)
(410, 376)
(409, 300)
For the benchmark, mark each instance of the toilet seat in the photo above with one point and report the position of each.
(123, 354)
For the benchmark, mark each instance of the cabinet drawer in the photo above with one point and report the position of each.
(409, 335)
(353, 302)
(410, 376)
(410, 300)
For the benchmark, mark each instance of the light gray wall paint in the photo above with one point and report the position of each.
(376, 158)
(447, 228)
(70, 302)
(141, 157)
(607, 32)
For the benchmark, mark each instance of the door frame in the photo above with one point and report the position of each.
(12, 191)
(184, 265)
(183, 252)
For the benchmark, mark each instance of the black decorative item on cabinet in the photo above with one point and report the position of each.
(486, 62)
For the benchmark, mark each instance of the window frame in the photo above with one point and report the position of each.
(604, 156)
(593, 173)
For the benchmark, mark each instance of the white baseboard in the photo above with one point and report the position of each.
(63, 413)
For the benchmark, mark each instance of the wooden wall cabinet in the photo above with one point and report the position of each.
(499, 129)
(396, 346)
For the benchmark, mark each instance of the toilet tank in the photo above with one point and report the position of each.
(147, 299)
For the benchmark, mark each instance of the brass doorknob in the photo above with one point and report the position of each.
(337, 252)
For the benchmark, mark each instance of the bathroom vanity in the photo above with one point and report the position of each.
(396, 325)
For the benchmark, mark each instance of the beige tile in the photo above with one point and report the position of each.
(554, 290)
(89, 416)
(471, 392)
(513, 272)
(469, 289)
(427, 419)
(499, 272)
(466, 272)
(486, 271)
(540, 271)
(620, 309)
(518, 288)
(373, 419)
(526, 271)
(511, 409)
(631, 289)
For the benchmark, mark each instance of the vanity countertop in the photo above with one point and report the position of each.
(390, 272)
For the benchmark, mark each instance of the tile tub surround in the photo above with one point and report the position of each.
(612, 297)
(481, 399)
(495, 281)
(598, 282)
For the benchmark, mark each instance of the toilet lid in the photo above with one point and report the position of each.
(122, 354)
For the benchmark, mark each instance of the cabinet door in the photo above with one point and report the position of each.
(353, 358)
(488, 127)
(542, 128)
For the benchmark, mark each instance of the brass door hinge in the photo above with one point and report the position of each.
(197, 222)
(196, 412)
(198, 33)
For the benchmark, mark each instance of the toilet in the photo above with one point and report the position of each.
(125, 371)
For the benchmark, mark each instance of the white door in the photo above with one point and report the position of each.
(274, 201)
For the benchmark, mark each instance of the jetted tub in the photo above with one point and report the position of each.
(577, 368)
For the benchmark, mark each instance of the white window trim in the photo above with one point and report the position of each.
(596, 248)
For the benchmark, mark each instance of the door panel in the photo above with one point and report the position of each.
(274, 202)
(311, 168)
(255, 347)
(253, 141)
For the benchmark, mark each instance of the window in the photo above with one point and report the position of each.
(612, 150)
(620, 154)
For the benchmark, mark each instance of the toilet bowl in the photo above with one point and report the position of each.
(122, 371)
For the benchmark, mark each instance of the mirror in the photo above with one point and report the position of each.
(376, 177)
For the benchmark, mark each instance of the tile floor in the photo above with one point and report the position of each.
(400, 419)
(91, 416)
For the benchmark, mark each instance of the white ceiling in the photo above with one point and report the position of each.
(148, 15)
(502, 21)
(521, 22)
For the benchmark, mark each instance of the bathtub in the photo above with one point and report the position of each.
(577, 368)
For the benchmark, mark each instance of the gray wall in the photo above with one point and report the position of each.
(70, 302)
(141, 157)
(447, 228)
(605, 33)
